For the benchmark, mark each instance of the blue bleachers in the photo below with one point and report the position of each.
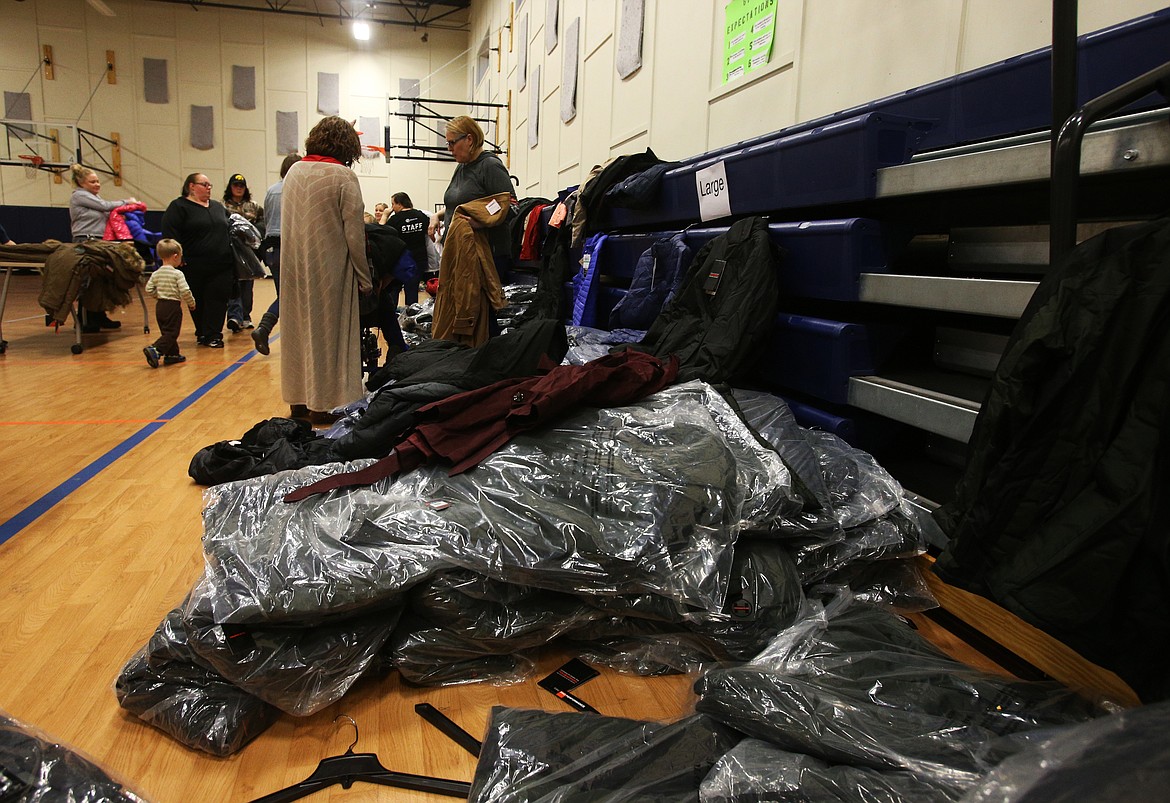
(832, 159)
(823, 259)
(835, 163)
(810, 168)
(816, 356)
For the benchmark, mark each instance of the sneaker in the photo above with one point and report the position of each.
(151, 356)
(174, 359)
(260, 338)
(215, 343)
(234, 325)
(248, 324)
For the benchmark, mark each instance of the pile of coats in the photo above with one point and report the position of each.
(96, 274)
(663, 535)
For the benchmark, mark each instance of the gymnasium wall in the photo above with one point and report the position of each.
(827, 55)
(200, 49)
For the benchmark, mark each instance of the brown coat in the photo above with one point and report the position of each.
(469, 286)
(97, 275)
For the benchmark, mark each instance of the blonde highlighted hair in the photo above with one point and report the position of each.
(464, 126)
(79, 173)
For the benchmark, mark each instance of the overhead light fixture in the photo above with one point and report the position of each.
(361, 30)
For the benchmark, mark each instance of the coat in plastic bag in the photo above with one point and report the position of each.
(1116, 759)
(166, 685)
(34, 768)
(854, 684)
(535, 756)
(755, 770)
(640, 499)
(299, 670)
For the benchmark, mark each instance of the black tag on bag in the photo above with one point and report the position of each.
(711, 283)
(569, 676)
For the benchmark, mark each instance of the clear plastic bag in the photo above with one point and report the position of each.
(166, 685)
(896, 534)
(35, 768)
(535, 756)
(426, 655)
(587, 344)
(897, 583)
(755, 770)
(498, 616)
(300, 670)
(1115, 759)
(640, 499)
(854, 684)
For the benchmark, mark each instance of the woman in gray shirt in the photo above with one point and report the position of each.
(478, 174)
(88, 212)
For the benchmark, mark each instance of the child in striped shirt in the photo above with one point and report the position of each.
(169, 286)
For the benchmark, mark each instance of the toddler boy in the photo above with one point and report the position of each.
(169, 286)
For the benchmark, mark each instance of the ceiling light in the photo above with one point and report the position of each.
(361, 30)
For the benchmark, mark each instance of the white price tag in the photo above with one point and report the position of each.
(714, 193)
(493, 206)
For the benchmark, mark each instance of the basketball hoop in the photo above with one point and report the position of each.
(32, 164)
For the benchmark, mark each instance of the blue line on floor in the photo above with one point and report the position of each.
(48, 501)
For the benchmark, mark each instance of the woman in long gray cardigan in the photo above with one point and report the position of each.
(323, 268)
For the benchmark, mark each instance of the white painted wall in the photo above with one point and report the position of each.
(828, 55)
(200, 48)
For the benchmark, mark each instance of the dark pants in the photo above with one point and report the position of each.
(169, 315)
(240, 304)
(386, 319)
(272, 260)
(211, 291)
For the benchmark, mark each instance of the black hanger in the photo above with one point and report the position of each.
(351, 768)
(448, 727)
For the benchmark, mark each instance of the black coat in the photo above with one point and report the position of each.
(713, 329)
(1061, 516)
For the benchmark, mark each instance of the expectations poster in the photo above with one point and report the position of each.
(748, 32)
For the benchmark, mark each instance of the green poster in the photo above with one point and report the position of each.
(748, 32)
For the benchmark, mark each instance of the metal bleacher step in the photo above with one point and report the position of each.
(996, 297)
(1118, 145)
(943, 403)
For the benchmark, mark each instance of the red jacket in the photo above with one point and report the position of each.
(116, 228)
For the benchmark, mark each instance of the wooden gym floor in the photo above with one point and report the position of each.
(100, 537)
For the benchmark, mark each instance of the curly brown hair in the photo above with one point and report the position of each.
(335, 138)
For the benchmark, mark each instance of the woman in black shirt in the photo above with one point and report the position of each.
(201, 226)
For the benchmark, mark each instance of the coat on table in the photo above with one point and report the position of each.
(469, 286)
(322, 269)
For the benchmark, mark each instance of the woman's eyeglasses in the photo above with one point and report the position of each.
(202, 184)
(451, 142)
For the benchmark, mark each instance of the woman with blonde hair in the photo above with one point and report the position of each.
(88, 211)
(88, 215)
(477, 202)
(323, 268)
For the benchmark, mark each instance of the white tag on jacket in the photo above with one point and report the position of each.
(714, 194)
(493, 206)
